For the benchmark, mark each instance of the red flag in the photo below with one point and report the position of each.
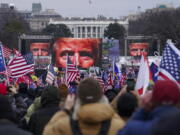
(24, 79)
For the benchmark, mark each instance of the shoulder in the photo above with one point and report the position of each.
(59, 124)
(117, 123)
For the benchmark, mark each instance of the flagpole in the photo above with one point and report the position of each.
(4, 63)
(66, 67)
(113, 68)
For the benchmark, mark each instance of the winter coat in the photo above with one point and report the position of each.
(9, 128)
(90, 118)
(40, 118)
(49, 106)
(32, 108)
(142, 121)
(19, 105)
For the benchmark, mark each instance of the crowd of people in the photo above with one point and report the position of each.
(88, 110)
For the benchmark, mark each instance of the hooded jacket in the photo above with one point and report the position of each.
(90, 118)
(49, 106)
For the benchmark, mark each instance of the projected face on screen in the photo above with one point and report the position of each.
(82, 52)
(138, 49)
(40, 49)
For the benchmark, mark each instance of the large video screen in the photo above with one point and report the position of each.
(83, 52)
(138, 49)
(41, 50)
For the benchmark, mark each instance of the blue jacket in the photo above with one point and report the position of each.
(142, 121)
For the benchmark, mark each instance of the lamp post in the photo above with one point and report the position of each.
(126, 38)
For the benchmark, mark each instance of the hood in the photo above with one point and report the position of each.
(93, 112)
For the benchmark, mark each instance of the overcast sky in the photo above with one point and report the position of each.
(92, 8)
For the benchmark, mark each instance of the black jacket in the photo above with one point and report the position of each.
(9, 128)
(40, 118)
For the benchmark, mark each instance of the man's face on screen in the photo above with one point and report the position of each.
(138, 50)
(79, 52)
(40, 49)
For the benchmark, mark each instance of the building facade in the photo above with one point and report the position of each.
(88, 28)
(40, 20)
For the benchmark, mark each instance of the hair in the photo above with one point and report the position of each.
(110, 94)
(50, 95)
(126, 105)
(6, 110)
(23, 87)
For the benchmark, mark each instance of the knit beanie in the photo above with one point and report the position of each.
(89, 91)
(50, 95)
(166, 92)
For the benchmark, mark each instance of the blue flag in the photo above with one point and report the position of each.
(117, 72)
(2, 62)
(154, 71)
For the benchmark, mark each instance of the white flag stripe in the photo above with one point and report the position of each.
(21, 71)
(19, 75)
(19, 68)
(19, 61)
(16, 65)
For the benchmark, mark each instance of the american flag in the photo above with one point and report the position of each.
(122, 80)
(170, 63)
(21, 65)
(110, 81)
(50, 75)
(2, 61)
(71, 71)
(6, 51)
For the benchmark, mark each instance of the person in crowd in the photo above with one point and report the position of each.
(82, 52)
(32, 108)
(50, 99)
(40, 49)
(92, 113)
(167, 125)
(23, 92)
(126, 105)
(154, 104)
(19, 100)
(8, 119)
(63, 90)
(126, 101)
